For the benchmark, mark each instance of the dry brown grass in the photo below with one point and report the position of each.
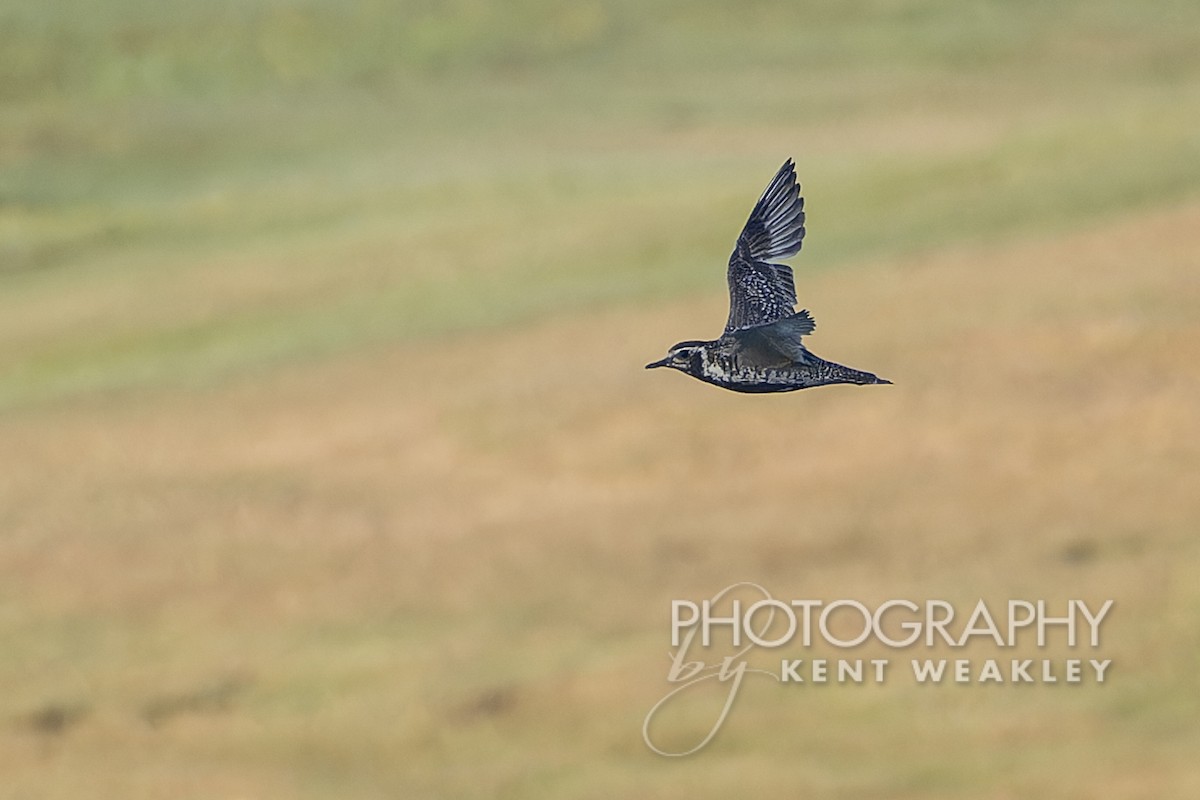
(443, 569)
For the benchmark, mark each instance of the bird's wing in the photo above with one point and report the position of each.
(760, 292)
(781, 336)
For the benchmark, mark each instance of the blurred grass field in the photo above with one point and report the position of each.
(328, 467)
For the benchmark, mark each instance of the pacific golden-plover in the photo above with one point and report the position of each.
(760, 350)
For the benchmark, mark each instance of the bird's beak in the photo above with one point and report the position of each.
(654, 364)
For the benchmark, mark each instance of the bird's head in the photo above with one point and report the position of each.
(684, 357)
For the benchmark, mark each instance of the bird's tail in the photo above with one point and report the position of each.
(832, 372)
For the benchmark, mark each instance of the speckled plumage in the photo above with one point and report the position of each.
(761, 349)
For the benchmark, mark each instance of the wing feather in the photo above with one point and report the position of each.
(782, 337)
(760, 292)
(775, 228)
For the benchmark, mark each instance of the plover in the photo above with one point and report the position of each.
(761, 348)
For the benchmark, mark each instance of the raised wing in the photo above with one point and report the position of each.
(760, 292)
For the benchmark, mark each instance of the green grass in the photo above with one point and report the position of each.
(468, 165)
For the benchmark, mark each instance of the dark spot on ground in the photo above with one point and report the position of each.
(1080, 551)
(54, 719)
(208, 698)
(490, 703)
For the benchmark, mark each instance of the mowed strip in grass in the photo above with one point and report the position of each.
(444, 569)
(495, 248)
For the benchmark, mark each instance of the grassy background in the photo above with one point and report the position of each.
(328, 467)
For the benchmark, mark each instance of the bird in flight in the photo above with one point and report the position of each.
(761, 349)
